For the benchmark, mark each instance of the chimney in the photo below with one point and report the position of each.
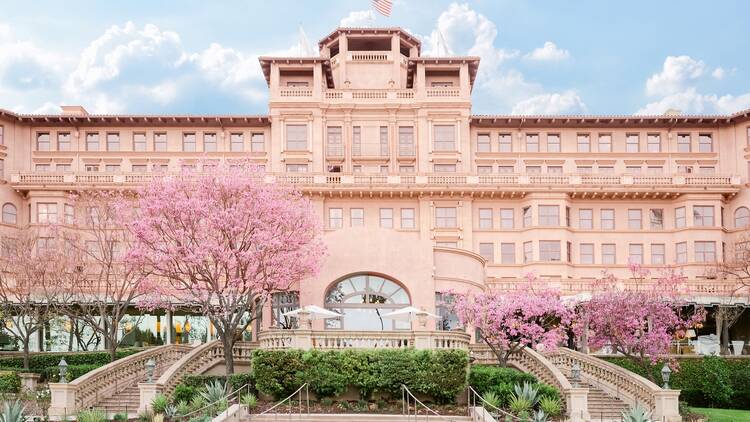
(74, 110)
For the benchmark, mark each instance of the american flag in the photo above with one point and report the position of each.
(383, 7)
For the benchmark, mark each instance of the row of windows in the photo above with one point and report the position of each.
(407, 218)
(633, 142)
(189, 141)
(550, 251)
(599, 169)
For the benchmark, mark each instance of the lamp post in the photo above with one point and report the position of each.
(150, 366)
(575, 374)
(63, 367)
(665, 374)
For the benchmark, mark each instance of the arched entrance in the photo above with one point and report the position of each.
(362, 299)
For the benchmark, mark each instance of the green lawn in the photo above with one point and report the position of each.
(724, 415)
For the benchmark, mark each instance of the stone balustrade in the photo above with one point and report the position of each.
(629, 387)
(108, 380)
(338, 340)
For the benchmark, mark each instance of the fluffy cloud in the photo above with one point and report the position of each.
(568, 102)
(358, 18)
(548, 53)
(677, 87)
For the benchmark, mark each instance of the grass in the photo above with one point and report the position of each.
(724, 415)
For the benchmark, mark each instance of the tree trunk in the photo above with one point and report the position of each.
(26, 353)
(228, 343)
(725, 338)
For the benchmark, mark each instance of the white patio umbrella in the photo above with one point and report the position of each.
(312, 312)
(409, 313)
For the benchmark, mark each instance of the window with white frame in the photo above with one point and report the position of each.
(236, 142)
(506, 218)
(533, 169)
(334, 141)
(296, 168)
(632, 142)
(139, 142)
(357, 217)
(113, 141)
(680, 217)
(705, 251)
(609, 253)
(42, 141)
(188, 142)
(549, 215)
(444, 137)
(257, 142)
(586, 219)
(444, 168)
(605, 142)
(683, 142)
(656, 218)
(46, 212)
(681, 252)
(386, 218)
(584, 142)
(607, 219)
(209, 142)
(160, 141)
(296, 137)
(505, 169)
(139, 168)
(485, 218)
(703, 215)
(487, 251)
(112, 168)
(335, 218)
(653, 142)
(446, 217)
(657, 254)
(91, 168)
(554, 169)
(635, 219)
(705, 142)
(406, 141)
(484, 169)
(528, 252)
(549, 250)
(635, 253)
(532, 142)
(92, 142)
(383, 141)
(484, 143)
(505, 142)
(606, 169)
(553, 142)
(741, 217)
(508, 253)
(42, 168)
(587, 253)
(526, 216)
(63, 141)
(408, 220)
(70, 214)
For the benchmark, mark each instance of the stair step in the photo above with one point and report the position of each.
(355, 417)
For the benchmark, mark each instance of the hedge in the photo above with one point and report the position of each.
(499, 380)
(10, 382)
(40, 362)
(74, 371)
(440, 374)
(711, 381)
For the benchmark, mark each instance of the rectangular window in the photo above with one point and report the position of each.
(42, 141)
(188, 142)
(553, 142)
(386, 218)
(487, 251)
(554, 169)
(111, 168)
(586, 219)
(549, 215)
(549, 250)
(139, 168)
(91, 167)
(532, 142)
(705, 143)
(209, 142)
(657, 254)
(679, 217)
(633, 143)
(635, 253)
(63, 141)
(533, 169)
(160, 141)
(335, 218)
(633, 169)
(407, 218)
(334, 142)
(584, 143)
(113, 142)
(70, 216)
(63, 168)
(605, 143)
(705, 251)
(505, 142)
(406, 169)
(635, 219)
(139, 142)
(42, 168)
(383, 141)
(656, 217)
(683, 142)
(587, 253)
(444, 168)
(527, 216)
(680, 250)
(528, 252)
(655, 170)
(46, 212)
(508, 253)
(584, 169)
(92, 142)
(485, 218)
(445, 137)
(296, 137)
(257, 142)
(296, 168)
(357, 217)
(506, 218)
(653, 142)
(505, 169)
(707, 169)
(609, 254)
(484, 143)
(406, 141)
(446, 217)
(484, 169)
(703, 216)
(606, 169)
(236, 142)
(160, 168)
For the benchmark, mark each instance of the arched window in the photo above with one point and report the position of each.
(9, 213)
(363, 300)
(741, 217)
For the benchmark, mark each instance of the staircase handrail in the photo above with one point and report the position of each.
(173, 376)
(186, 416)
(406, 407)
(296, 392)
(472, 399)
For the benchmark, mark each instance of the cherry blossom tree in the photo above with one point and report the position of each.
(735, 269)
(221, 243)
(532, 316)
(639, 322)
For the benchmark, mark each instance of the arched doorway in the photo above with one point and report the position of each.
(363, 299)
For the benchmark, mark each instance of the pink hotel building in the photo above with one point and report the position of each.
(420, 196)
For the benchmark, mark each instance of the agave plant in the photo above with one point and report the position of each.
(539, 416)
(213, 392)
(636, 414)
(249, 400)
(528, 392)
(492, 399)
(159, 403)
(550, 405)
(93, 415)
(519, 405)
(183, 408)
(170, 411)
(13, 412)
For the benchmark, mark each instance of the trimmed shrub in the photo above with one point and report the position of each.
(40, 363)
(10, 382)
(484, 378)
(74, 371)
(278, 372)
(183, 393)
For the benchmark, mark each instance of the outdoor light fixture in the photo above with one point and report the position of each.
(575, 373)
(665, 374)
(150, 366)
(63, 366)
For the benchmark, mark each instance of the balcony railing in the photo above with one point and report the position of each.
(337, 340)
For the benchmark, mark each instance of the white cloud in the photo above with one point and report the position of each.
(719, 73)
(568, 102)
(691, 101)
(358, 18)
(676, 72)
(550, 52)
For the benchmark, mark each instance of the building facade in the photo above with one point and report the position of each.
(418, 195)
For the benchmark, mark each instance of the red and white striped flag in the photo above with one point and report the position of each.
(383, 7)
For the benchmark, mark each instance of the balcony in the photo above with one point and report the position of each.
(338, 340)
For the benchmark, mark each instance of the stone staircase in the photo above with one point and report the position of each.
(352, 418)
(603, 407)
(126, 401)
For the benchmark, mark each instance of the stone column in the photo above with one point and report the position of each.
(169, 339)
(666, 406)
(147, 392)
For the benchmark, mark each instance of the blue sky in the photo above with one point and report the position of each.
(538, 56)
